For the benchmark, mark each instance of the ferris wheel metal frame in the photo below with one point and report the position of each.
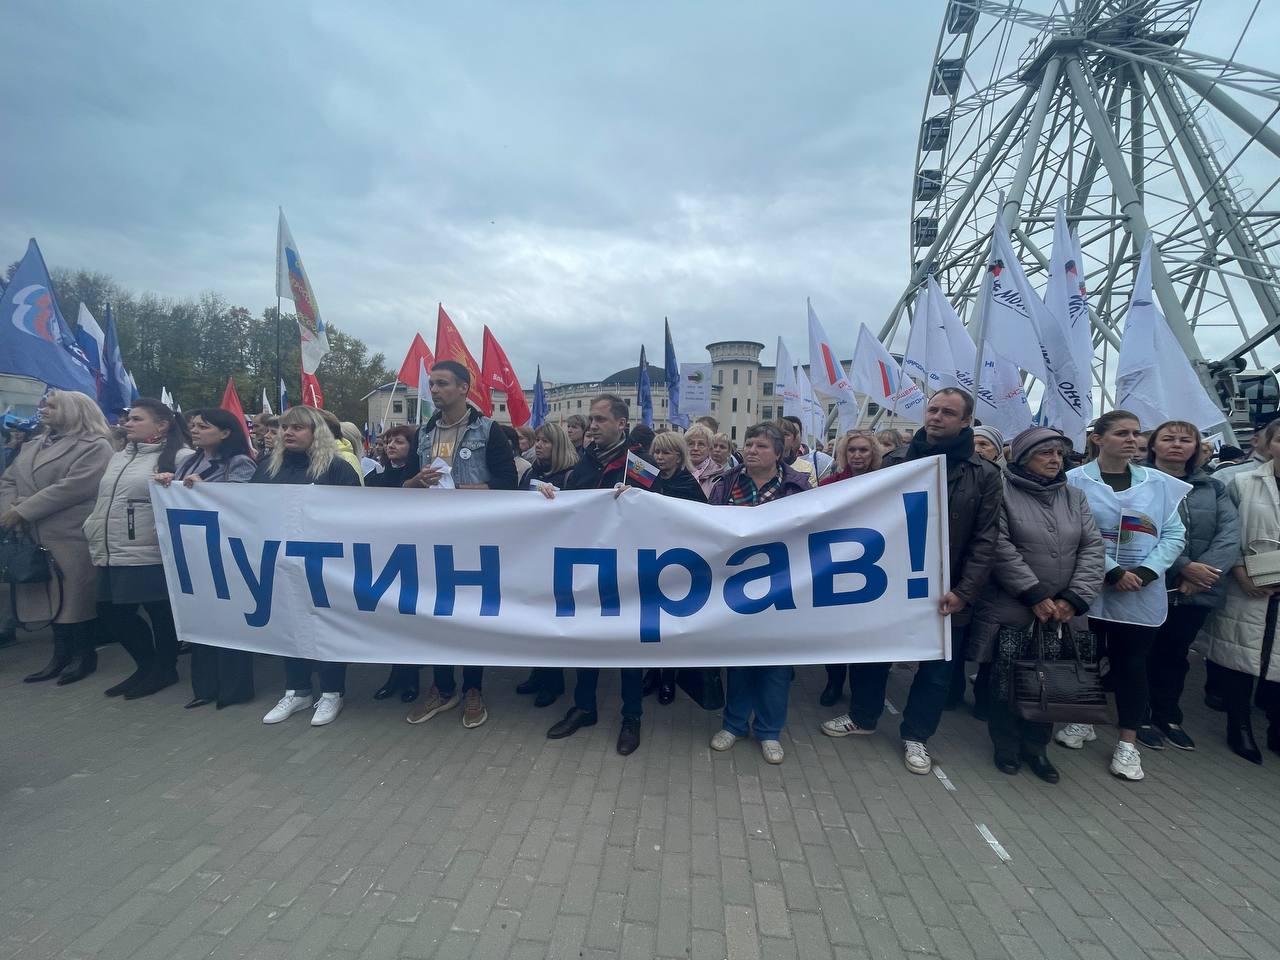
(1107, 108)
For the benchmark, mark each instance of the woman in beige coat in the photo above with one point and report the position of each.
(46, 494)
(1241, 634)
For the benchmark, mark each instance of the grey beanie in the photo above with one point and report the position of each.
(1025, 443)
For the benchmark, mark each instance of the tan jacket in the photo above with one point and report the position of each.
(53, 487)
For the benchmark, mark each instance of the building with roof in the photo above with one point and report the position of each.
(741, 389)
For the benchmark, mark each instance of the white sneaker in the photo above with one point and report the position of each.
(843, 726)
(289, 704)
(723, 740)
(1126, 762)
(915, 755)
(1075, 735)
(771, 750)
(327, 709)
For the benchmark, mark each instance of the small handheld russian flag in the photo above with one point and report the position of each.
(640, 472)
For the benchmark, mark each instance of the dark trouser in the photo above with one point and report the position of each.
(836, 673)
(982, 695)
(155, 645)
(1167, 662)
(584, 690)
(1013, 736)
(297, 676)
(403, 675)
(1127, 647)
(928, 696)
(762, 691)
(446, 681)
(549, 679)
(221, 674)
(959, 650)
(1237, 689)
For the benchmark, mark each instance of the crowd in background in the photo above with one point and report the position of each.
(1134, 552)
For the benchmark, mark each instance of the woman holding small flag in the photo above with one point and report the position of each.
(757, 696)
(553, 459)
(1136, 509)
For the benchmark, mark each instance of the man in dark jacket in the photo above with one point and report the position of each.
(603, 465)
(479, 457)
(974, 493)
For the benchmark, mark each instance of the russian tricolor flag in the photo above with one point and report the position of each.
(640, 472)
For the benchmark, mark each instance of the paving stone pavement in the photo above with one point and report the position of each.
(141, 830)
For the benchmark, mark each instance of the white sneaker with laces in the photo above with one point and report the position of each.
(1126, 762)
(843, 726)
(327, 709)
(1075, 735)
(289, 704)
(915, 755)
(723, 740)
(771, 750)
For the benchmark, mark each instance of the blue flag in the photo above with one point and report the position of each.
(677, 418)
(35, 340)
(644, 392)
(117, 388)
(284, 397)
(538, 415)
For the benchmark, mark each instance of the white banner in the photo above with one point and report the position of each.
(848, 572)
(695, 389)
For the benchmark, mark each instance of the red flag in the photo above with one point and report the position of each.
(450, 346)
(231, 404)
(418, 357)
(312, 395)
(498, 375)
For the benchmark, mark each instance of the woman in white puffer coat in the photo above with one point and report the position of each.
(122, 544)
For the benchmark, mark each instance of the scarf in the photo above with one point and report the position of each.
(745, 493)
(1018, 470)
(956, 449)
(608, 459)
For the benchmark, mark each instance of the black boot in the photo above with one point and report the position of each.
(1273, 737)
(529, 685)
(143, 654)
(391, 686)
(1240, 739)
(160, 675)
(652, 680)
(61, 655)
(667, 686)
(84, 660)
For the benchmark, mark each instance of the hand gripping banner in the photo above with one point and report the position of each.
(850, 572)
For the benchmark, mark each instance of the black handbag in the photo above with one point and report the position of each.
(24, 561)
(1059, 689)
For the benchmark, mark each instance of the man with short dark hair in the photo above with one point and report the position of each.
(974, 494)
(603, 466)
(479, 458)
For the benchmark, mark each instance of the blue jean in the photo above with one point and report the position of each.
(925, 702)
(763, 691)
(584, 690)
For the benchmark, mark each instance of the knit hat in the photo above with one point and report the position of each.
(996, 438)
(1025, 443)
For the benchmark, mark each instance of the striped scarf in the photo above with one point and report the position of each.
(745, 493)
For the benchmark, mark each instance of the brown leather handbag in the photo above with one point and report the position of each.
(1057, 688)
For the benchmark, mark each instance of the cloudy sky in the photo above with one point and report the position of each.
(568, 173)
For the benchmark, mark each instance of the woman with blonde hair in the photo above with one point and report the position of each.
(703, 466)
(47, 493)
(889, 441)
(722, 451)
(554, 456)
(308, 453)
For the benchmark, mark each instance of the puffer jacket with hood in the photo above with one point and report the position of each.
(121, 530)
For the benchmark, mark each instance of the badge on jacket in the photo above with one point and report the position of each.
(465, 453)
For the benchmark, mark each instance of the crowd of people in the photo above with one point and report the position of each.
(1131, 552)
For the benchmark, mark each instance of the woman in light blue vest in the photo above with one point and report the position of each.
(1136, 509)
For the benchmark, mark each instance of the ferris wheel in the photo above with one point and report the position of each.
(1103, 104)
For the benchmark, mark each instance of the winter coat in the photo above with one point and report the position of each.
(590, 474)
(792, 483)
(1048, 548)
(1213, 537)
(974, 491)
(295, 466)
(239, 469)
(393, 476)
(54, 488)
(557, 478)
(680, 485)
(121, 530)
(1234, 632)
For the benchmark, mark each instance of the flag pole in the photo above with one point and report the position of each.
(391, 396)
(279, 374)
